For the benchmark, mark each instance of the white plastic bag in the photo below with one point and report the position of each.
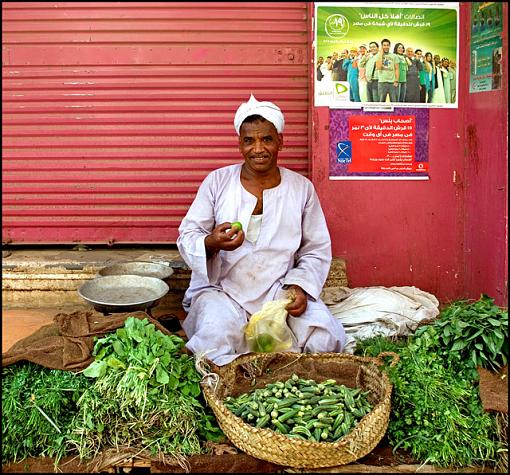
(267, 330)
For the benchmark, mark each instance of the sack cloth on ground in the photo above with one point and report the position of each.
(366, 312)
(494, 389)
(67, 343)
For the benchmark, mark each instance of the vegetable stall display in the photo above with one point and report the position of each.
(38, 407)
(141, 392)
(437, 413)
(303, 408)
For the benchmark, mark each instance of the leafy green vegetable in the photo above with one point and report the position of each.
(472, 330)
(38, 406)
(146, 394)
(436, 410)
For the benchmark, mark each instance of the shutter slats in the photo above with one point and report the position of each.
(114, 112)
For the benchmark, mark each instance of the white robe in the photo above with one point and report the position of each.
(438, 96)
(293, 247)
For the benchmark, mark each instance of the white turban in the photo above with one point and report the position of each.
(268, 110)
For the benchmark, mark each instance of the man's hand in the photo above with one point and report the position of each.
(298, 305)
(222, 240)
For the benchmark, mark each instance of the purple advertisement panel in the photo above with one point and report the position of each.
(377, 146)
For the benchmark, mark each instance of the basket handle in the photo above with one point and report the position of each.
(394, 361)
(209, 378)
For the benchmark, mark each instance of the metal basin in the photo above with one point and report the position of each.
(123, 293)
(146, 269)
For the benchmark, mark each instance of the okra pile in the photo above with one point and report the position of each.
(303, 408)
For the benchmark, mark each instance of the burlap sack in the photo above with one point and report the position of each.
(67, 343)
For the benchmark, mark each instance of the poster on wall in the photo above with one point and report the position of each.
(373, 146)
(486, 46)
(373, 55)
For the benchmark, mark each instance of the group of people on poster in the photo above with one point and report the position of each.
(380, 72)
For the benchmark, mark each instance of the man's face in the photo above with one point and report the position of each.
(362, 50)
(320, 60)
(419, 55)
(437, 59)
(259, 144)
(410, 53)
(373, 48)
(446, 63)
(334, 56)
(345, 53)
(385, 47)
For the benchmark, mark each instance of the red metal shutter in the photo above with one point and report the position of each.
(114, 112)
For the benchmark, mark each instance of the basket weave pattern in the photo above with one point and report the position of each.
(265, 444)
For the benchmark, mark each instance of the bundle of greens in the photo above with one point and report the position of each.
(436, 412)
(38, 406)
(476, 331)
(145, 395)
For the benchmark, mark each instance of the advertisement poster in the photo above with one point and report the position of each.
(486, 46)
(375, 146)
(369, 55)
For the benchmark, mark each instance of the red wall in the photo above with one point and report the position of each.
(446, 235)
(485, 154)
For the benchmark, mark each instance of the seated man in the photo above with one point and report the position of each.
(284, 244)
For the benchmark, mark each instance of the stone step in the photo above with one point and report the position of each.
(50, 277)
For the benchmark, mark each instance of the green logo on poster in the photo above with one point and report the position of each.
(336, 26)
(340, 88)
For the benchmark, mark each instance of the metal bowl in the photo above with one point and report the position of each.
(123, 293)
(146, 269)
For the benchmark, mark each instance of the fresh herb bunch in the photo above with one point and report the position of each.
(146, 395)
(38, 406)
(436, 411)
(476, 331)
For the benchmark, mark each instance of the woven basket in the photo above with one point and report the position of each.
(255, 370)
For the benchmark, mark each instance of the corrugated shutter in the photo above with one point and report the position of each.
(114, 112)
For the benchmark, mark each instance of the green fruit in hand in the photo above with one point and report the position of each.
(238, 225)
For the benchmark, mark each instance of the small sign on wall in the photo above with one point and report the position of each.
(486, 46)
(372, 146)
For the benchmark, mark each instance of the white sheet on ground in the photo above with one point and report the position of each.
(370, 311)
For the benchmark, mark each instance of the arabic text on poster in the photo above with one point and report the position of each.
(373, 146)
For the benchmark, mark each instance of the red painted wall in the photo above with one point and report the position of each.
(446, 235)
(486, 184)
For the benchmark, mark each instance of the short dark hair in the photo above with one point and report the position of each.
(416, 50)
(253, 118)
(373, 43)
(386, 40)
